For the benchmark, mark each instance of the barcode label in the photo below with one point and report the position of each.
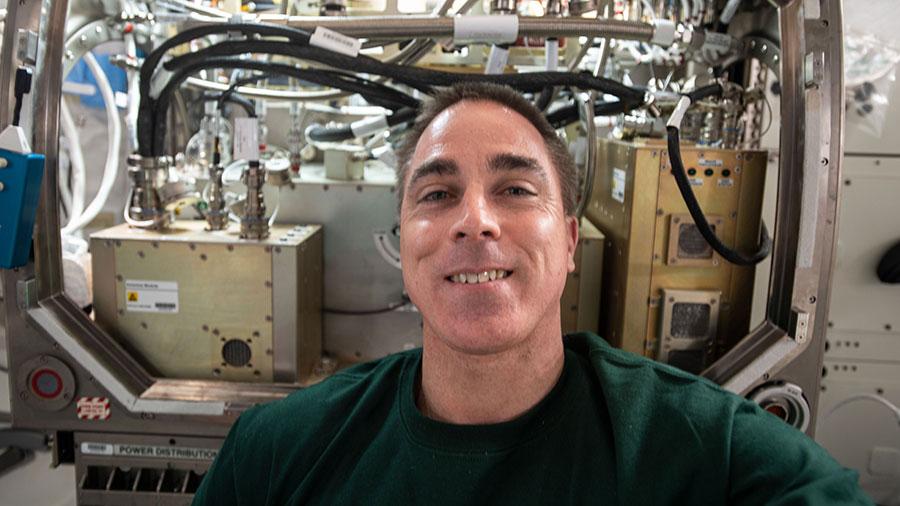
(334, 41)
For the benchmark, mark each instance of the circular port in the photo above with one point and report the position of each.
(46, 383)
(784, 400)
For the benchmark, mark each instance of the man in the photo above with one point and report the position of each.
(497, 408)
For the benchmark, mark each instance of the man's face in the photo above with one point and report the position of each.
(483, 202)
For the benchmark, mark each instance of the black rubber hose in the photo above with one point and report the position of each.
(231, 91)
(235, 98)
(345, 132)
(145, 119)
(374, 92)
(418, 78)
(569, 114)
(706, 91)
(693, 206)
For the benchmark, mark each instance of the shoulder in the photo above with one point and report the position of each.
(630, 377)
(315, 409)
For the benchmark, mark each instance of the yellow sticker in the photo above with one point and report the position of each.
(132, 297)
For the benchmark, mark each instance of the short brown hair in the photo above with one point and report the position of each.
(507, 97)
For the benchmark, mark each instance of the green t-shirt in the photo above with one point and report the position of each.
(616, 429)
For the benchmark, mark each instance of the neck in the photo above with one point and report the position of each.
(466, 388)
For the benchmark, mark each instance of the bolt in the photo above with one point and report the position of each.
(24, 395)
(277, 249)
(255, 333)
(812, 300)
(887, 326)
(230, 247)
(3, 163)
(1, 186)
(824, 161)
(155, 244)
(205, 328)
(659, 212)
(192, 246)
(215, 332)
(67, 396)
(141, 254)
(143, 325)
(268, 318)
(847, 182)
(118, 277)
(268, 284)
(676, 220)
(43, 359)
(203, 256)
(732, 215)
(121, 312)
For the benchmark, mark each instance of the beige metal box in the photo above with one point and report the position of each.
(194, 304)
(666, 293)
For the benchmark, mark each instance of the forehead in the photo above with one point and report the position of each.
(475, 129)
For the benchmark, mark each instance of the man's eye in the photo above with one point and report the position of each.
(518, 191)
(435, 196)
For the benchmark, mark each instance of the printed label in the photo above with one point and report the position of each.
(92, 408)
(96, 448)
(725, 182)
(709, 162)
(696, 181)
(246, 139)
(156, 452)
(618, 185)
(334, 41)
(151, 296)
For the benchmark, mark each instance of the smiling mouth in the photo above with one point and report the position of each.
(472, 278)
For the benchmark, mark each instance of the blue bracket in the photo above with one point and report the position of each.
(20, 189)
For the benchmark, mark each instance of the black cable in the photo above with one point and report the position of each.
(145, 126)
(706, 91)
(565, 115)
(374, 92)
(21, 87)
(345, 132)
(230, 92)
(418, 78)
(693, 206)
(235, 98)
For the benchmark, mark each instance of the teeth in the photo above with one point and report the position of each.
(480, 277)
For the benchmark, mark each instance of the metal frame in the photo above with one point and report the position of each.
(789, 345)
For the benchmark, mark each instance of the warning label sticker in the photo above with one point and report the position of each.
(618, 185)
(151, 296)
(92, 408)
(158, 452)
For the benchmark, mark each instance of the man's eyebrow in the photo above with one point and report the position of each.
(503, 162)
(439, 166)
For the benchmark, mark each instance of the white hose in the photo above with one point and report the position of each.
(277, 206)
(114, 136)
(65, 193)
(76, 157)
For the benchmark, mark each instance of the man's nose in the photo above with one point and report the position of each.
(476, 218)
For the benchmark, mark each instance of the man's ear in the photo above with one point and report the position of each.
(572, 239)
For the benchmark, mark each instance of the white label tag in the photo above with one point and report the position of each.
(709, 162)
(334, 41)
(725, 182)
(151, 296)
(96, 448)
(696, 181)
(246, 139)
(618, 185)
(162, 452)
(497, 29)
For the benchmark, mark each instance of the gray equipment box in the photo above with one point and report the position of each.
(194, 304)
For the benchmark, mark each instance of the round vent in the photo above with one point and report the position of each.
(236, 353)
(691, 243)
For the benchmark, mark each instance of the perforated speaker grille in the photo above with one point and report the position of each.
(236, 353)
